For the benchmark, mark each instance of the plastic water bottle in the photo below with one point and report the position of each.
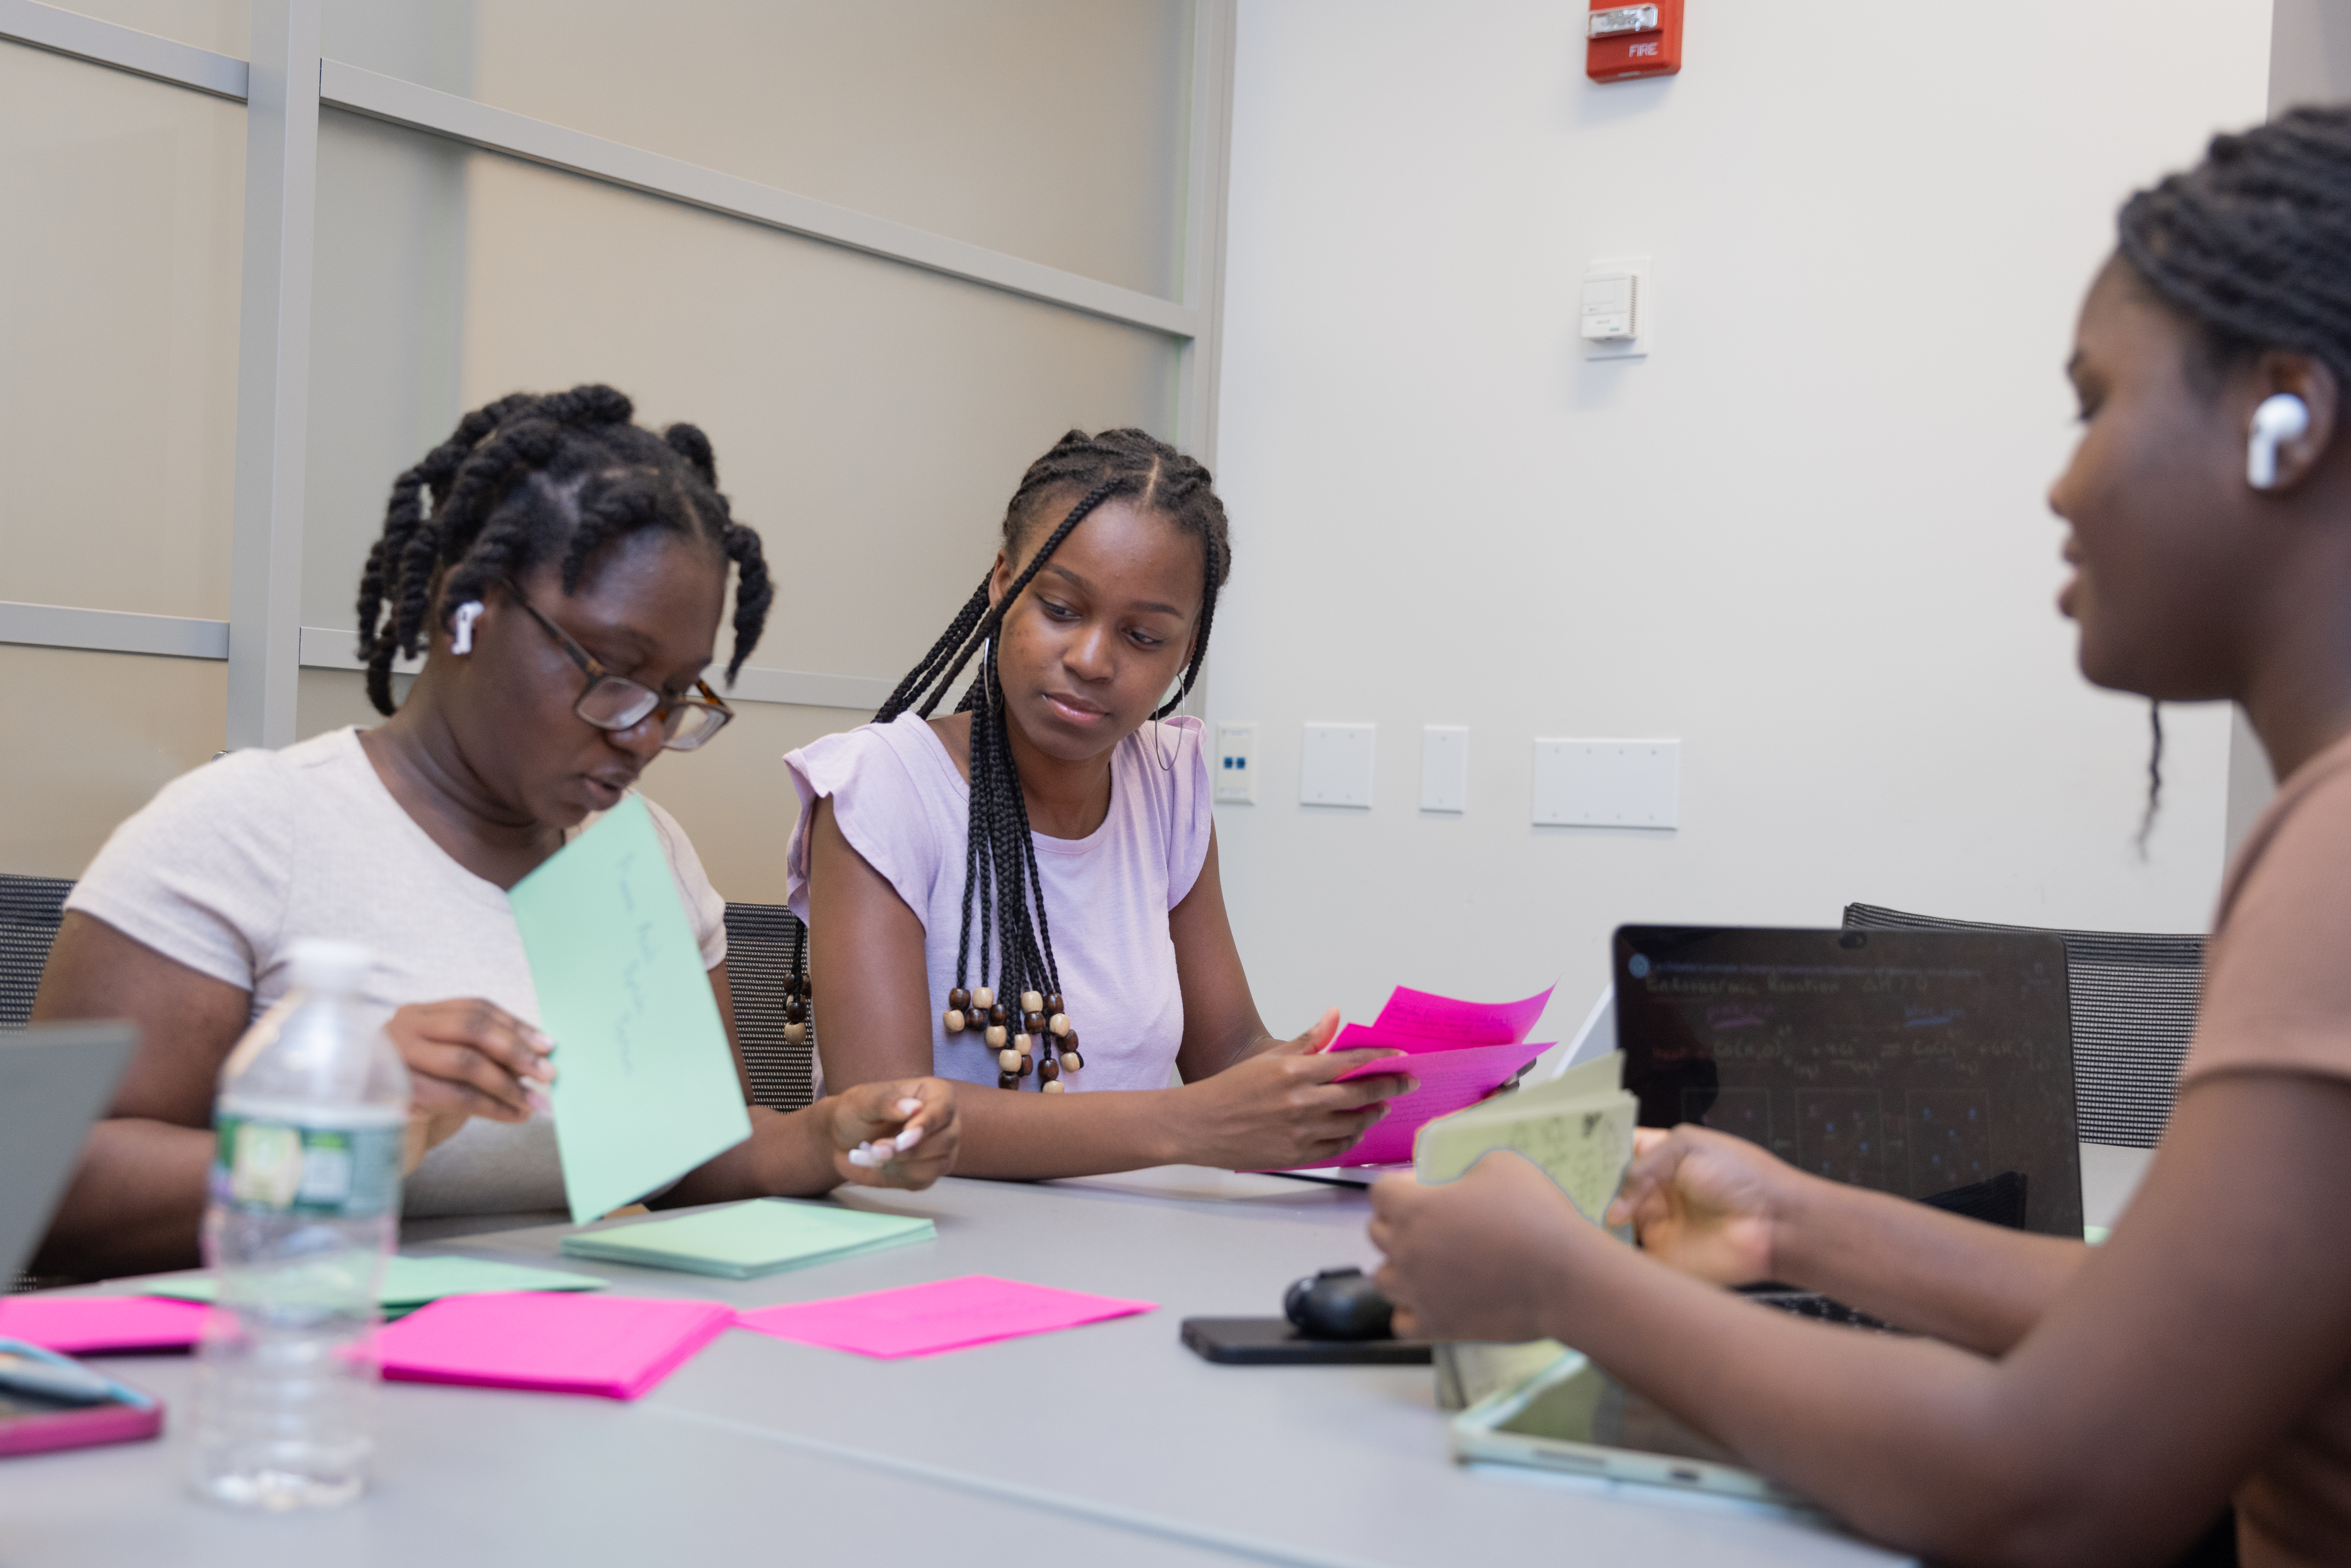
(305, 1206)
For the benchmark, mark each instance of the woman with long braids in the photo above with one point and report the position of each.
(566, 580)
(2066, 1404)
(1022, 893)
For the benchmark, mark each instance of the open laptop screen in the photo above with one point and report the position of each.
(1934, 1065)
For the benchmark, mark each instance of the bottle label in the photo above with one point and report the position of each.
(343, 1173)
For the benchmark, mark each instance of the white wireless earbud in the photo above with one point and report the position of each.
(461, 631)
(2280, 418)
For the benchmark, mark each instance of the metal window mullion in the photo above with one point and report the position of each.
(273, 375)
(1207, 162)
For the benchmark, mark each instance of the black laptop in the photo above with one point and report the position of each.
(1935, 1065)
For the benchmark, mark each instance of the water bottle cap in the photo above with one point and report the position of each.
(321, 965)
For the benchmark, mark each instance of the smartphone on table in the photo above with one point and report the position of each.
(49, 1401)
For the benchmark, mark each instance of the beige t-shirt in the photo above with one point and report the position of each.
(231, 863)
(2277, 997)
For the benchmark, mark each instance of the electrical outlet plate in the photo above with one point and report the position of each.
(1236, 764)
(1335, 767)
(1644, 309)
(1445, 767)
(1608, 783)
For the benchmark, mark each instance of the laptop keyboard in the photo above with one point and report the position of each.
(1808, 1305)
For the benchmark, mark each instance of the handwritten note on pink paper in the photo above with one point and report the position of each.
(1426, 1016)
(89, 1325)
(946, 1314)
(618, 1346)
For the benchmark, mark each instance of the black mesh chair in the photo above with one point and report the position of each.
(758, 955)
(30, 910)
(2134, 1004)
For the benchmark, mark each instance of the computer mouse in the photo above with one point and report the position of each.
(1339, 1304)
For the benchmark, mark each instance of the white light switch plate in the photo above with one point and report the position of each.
(1608, 783)
(1445, 767)
(1336, 766)
(1643, 309)
(1236, 764)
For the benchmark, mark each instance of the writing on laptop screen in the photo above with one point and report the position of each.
(1934, 1065)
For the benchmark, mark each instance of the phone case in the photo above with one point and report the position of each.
(1276, 1342)
(32, 1425)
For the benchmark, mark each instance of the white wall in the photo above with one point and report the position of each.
(1806, 536)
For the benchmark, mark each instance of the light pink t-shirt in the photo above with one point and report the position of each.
(903, 805)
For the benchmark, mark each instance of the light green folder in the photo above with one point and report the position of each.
(644, 1082)
(743, 1240)
(410, 1283)
(1579, 1127)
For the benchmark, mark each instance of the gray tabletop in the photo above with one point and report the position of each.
(1108, 1443)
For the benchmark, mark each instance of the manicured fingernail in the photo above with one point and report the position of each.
(909, 1106)
(858, 1157)
(909, 1138)
(1411, 1085)
(537, 1037)
(541, 1104)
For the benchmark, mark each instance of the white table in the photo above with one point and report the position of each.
(1110, 1444)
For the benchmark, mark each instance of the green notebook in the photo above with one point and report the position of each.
(410, 1283)
(743, 1240)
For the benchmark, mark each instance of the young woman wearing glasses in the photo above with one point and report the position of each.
(567, 579)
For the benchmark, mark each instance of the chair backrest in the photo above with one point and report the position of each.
(30, 910)
(2134, 1004)
(758, 955)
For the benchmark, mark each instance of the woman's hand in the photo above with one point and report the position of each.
(1704, 1202)
(1484, 1256)
(467, 1059)
(1281, 1107)
(900, 1133)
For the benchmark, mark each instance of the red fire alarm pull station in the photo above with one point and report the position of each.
(1626, 41)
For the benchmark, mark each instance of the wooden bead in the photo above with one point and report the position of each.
(1054, 1088)
(1053, 1002)
(1048, 1070)
(1008, 1061)
(796, 1034)
(1030, 1002)
(997, 1015)
(1058, 1023)
(795, 1011)
(954, 1020)
(1072, 1062)
(808, 988)
(1027, 1067)
(959, 998)
(1033, 1023)
(996, 1035)
(791, 985)
(983, 999)
(1007, 1080)
(1069, 1040)
(1022, 1043)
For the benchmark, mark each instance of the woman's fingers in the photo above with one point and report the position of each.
(474, 1055)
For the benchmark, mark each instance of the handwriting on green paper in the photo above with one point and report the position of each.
(1578, 1128)
(644, 1087)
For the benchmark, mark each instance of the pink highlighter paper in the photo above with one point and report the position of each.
(560, 1342)
(946, 1314)
(1439, 1021)
(91, 1325)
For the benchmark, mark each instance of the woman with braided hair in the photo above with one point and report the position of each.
(565, 583)
(2067, 1403)
(1023, 892)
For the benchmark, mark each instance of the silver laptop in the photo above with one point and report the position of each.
(55, 1081)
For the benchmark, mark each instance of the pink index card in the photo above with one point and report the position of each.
(946, 1315)
(1426, 1016)
(618, 1346)
(1449, 1080)
(89, 1325)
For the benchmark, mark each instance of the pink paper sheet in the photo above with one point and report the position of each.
(618, 1346)
(1429, 1017)
(946, 1314)
(1449, 1080)
(89, 1325)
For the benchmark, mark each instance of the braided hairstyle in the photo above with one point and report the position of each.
(1015, 937)
(534, 477)
(2250, 249)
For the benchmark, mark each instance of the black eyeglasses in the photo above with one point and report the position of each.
(614, 702)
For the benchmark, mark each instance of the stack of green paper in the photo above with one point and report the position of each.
(743, 1240)
(410, 1283)
(1578, 1127)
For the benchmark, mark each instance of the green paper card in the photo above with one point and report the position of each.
(410, 1283)
(644, 1083)
(743, 1240)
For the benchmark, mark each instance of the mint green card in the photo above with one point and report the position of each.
(743, 1240)
(644, 1083)
(410, 1283)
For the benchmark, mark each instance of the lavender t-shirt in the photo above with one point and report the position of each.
(903, 805)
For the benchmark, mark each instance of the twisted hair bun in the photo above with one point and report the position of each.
(2254, 245)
